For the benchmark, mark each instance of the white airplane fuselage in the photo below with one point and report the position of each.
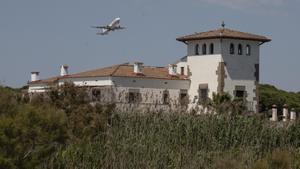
(115, 23)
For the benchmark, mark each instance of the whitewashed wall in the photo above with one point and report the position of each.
(203, 70)
(182, 64)
(88, 81)
(37, 88)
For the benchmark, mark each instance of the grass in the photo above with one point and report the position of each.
(186, 141)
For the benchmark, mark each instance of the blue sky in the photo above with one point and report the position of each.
(40, 35)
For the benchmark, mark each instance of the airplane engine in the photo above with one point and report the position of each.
(104, 30)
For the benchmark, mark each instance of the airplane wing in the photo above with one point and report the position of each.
(118, 27)
(100, 33)
(100, 27)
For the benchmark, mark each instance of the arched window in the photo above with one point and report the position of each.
(204, 49)
(231, 50)
(248, 50)
(211, 48)
(197, 49)
(240, 49)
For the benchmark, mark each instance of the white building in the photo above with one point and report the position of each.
(217, 61)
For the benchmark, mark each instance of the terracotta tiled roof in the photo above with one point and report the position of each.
(46, 81)
(223, 33)
(121, 70)
(107, 71)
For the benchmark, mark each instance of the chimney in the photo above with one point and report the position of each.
(35, 76)
(64, 70)
(138, 67)
(172, 69)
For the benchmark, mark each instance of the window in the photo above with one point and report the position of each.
(203, 92)
(96, 94)
(166, 97)
(211, 48)
(134, 96)
(240, 49)
(231, 50)
(183, 97)
(182, 70)
(239, 93)
(248, 50)
(131, 98)
(204, 49)
(197, 49)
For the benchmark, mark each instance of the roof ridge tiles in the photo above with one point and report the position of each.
(117, 69)
(226, 33)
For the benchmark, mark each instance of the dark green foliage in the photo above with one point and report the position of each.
(225, 104)
(270, 95)
(9, 100)
(67, 97)
(32, 136)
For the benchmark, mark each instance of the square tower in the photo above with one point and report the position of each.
(223, 60)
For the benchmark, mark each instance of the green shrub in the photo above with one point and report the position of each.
(32, 136)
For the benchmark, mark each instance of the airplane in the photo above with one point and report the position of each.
(114, 25)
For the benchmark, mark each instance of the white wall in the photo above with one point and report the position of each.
(203, 70)
(88, 81)
(37, 88)
(182, 64)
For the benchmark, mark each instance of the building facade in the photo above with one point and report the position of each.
(217, 61)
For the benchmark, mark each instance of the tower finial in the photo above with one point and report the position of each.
(223, 24)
